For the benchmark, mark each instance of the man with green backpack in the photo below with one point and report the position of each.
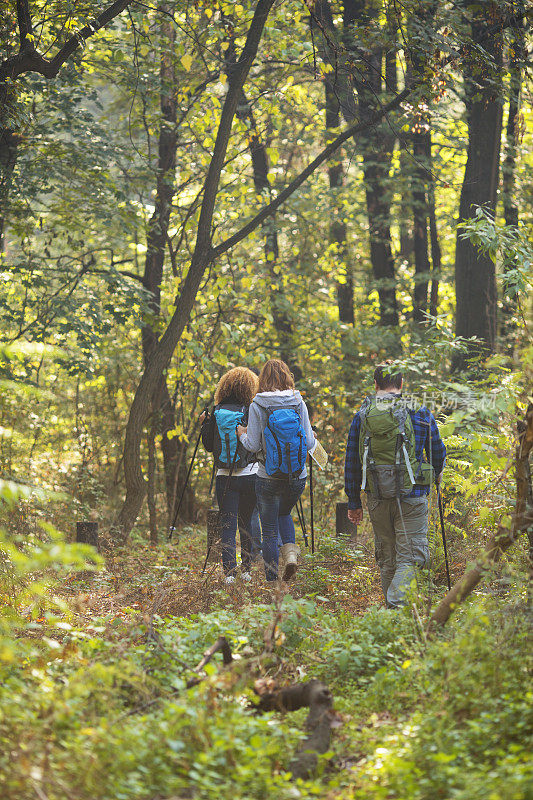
(393, 454)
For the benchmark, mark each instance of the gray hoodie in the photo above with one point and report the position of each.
(252, 440)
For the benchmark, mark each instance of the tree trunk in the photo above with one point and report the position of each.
(510, 206)
(280, 306)
(8, 159)
(475, 276)
(421, 177)
(151, 485)
(337, 225)
(421, 145)
(175, 491)
(376, 150)
(156, 242)
(202, 255)
(435, 247)
(378, 209)
(405, 222)
(376, 147)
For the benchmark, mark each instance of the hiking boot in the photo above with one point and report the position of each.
(289, 554)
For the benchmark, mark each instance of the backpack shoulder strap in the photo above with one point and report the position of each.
(365, 408)
(400, 412)
(270, 409)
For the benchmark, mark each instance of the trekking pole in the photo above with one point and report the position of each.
(301, 520)
(441, 514)
(304, 525)
(212, 481)
(173, 526)
(312, 509)
(206, 560)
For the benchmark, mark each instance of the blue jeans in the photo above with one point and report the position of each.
(275, 500)
(255, 530)
(236, 502)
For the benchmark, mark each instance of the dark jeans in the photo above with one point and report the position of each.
(235, 503)
(275, 501)
(255, 530)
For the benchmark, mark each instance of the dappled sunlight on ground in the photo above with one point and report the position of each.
(167, 580)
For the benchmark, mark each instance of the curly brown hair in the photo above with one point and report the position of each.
(275, 375)
(240, 383)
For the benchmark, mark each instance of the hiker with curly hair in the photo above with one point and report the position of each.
(236, 467)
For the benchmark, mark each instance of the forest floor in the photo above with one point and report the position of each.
(106, 711)
(167, 580)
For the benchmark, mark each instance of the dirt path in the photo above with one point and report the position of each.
(167, 581)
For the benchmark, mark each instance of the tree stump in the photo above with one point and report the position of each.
(87, 533)
(343, 526)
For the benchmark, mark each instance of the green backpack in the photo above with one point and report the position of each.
(387, 449)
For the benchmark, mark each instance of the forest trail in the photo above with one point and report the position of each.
(166, 580)
(150, 607)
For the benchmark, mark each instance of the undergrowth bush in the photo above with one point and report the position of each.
(458, 716)
(97, 708)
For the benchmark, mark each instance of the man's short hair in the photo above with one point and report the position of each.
(388, 376)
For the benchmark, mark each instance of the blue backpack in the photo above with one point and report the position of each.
(227, 449)
(284, 443)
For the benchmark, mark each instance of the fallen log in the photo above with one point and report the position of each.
(321, 719)
(221, 645)
(488, 559)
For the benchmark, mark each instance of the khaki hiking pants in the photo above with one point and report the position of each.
(401, 542)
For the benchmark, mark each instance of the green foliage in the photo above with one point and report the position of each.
(107, 712)
(30, 568)
(507, 246)
(462, 719)
(93, 704)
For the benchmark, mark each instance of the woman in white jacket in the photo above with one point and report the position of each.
(276, 496)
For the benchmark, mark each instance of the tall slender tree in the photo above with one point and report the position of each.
(516, 60)
(156, 246)
(420, 30)
(337, 225)
(278, 301)
(202, 256)
(368, 78)
(475, 276)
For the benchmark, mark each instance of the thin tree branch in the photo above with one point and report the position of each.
(326, 153)
(504, 537)
(29, 60)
